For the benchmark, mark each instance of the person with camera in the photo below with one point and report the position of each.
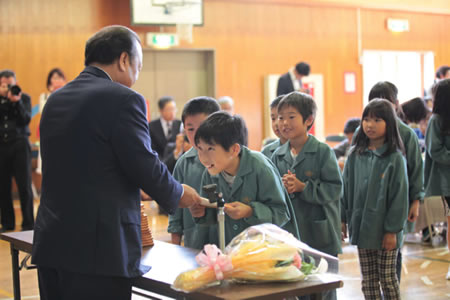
(15, 152)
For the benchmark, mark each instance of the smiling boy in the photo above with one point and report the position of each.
(189, 170)
(249, 182)
(310, 174)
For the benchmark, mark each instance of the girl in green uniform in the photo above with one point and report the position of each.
(375, 199)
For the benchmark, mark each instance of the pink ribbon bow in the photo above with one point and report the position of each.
(213, 258)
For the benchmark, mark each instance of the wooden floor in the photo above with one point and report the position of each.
(423, 271)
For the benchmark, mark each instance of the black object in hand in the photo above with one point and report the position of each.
(15, 90)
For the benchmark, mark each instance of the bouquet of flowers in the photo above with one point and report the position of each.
(260, 253)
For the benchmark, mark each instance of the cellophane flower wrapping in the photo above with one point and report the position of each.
(261, 253)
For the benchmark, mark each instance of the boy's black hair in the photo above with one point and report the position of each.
(222, 129)
(276, 101)
(384, 90)
(163, 101)
(351, 125)
(441, 104)
(380, 108)
(415, 110)
(302, 68)
(387, 90)
(200, 105)
(303, 103)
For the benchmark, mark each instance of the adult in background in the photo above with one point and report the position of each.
(226, 104)
(443, 72)
(55, 80)
(96, 156)
(292, 80)
(15, 152)
(165, 129)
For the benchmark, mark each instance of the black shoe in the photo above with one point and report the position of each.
(26, 228)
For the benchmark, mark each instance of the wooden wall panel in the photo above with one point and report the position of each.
(252, 38)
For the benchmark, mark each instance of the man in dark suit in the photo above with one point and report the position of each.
(15, 152)
(165, 129)
(96, 156)
(292, 80)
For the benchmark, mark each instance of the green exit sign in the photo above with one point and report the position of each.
(162, 40)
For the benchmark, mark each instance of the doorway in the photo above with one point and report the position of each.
(180, 73)
(412, 72)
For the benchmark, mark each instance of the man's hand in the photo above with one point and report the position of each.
(145, 197)
(190, 197)
(238, 210)
(292, 184)
(14, 98)
(414, 211)
(389, 241)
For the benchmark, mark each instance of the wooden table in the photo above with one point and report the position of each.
(168, 260)
(19, 241)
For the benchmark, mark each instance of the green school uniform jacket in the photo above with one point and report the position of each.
(189, 170)
(375, 199)
(414, 164)
(269, 149)
(257, 184)
(437, 159)
(414, 161)
(317, 207)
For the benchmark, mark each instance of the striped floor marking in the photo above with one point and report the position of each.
(425, 264)
(426, 280)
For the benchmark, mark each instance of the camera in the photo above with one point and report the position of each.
(14, 89)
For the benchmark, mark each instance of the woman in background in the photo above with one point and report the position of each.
(55, 80)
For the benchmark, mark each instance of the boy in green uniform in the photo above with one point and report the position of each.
(269, 149)
(189, 170)
(249, 182)
(310, 174)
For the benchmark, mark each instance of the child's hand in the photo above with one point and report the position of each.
(176, 238)
(389, 241)
(292, 184)
(414, 211)
(343, 231)
(238, 210)
(197, 210)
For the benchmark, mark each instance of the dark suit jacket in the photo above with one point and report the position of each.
(159, 140)
(285, 85)
(96, 155)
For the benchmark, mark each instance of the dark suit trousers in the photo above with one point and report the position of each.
(15, 161)
(63, 285)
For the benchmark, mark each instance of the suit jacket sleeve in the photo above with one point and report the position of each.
(131, 143)
(284, 85)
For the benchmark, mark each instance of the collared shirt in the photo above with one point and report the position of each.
(295, 82)
(102, 71)
(166, 125)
